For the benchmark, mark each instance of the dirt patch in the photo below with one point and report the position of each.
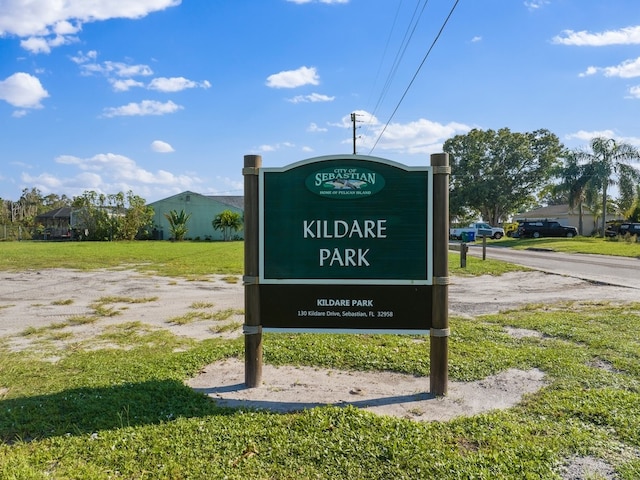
(472, 296)
(286, 389)
(36, 299)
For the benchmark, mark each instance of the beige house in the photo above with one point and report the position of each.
(565, 216)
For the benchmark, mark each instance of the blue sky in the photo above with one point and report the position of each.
(162, 96)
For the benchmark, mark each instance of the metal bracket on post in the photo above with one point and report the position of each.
(251, 329)
(250, 171)
(441, 170)
(440, 332)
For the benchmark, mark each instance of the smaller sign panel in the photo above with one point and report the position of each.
(366, 308)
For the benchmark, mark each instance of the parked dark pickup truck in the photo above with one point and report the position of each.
(545, 228)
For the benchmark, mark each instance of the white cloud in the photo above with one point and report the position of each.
(587, 136)
(624, 36)
(294, 78)
(119, 169)
(66, 28)
(118, 69)
(276, 146)
(54, 21)
(82, 57)
(634, 91)
(313, 98)
(535, 4)
(418, 137)
(231, 185)
(44, 45)
(589, 71)
(627, 69)
(175, 84)
(364, 118)
(120, 74)
(144, 108)
(124, 85)
(22, 90)
(315, 128)
(161, 147)
(476, 39)
(111, 173)
(36, 45)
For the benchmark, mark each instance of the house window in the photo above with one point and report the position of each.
(188, 198)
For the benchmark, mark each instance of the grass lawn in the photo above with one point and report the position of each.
(600, 246)
(124, 411)
(182, 259)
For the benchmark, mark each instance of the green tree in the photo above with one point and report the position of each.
(138, 217)
(608, 162)
(498, 173)
(29, 206)
(117, 216)
(178, 224)
(627, 188)
(633, 213)
(227, 221)
(53, 201)
(90, 217)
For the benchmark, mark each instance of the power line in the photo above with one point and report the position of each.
(404, 44)
(386, 47)
(415, 75)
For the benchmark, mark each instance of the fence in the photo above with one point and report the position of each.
(14, 232)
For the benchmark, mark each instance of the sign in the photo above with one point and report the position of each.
(347, 308)
(335, 233)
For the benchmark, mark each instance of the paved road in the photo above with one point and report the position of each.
(621, 271)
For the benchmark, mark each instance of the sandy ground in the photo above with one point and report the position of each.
(295, 388)
(34, 299)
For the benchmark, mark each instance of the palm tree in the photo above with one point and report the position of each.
(227, 221)
(574, 183)
(608, 162)
(178, 223)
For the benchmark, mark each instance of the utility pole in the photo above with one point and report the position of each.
(353, 121)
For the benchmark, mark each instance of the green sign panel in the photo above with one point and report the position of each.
(345, 220)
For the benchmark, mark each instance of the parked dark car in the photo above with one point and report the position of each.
(612, 230)
(623, 229)
(545, 228)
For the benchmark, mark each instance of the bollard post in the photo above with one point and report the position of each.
(463, 255)
(484, 247)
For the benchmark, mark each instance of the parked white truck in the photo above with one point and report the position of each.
(479, 229)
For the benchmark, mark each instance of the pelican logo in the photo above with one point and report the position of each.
(345, 183)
